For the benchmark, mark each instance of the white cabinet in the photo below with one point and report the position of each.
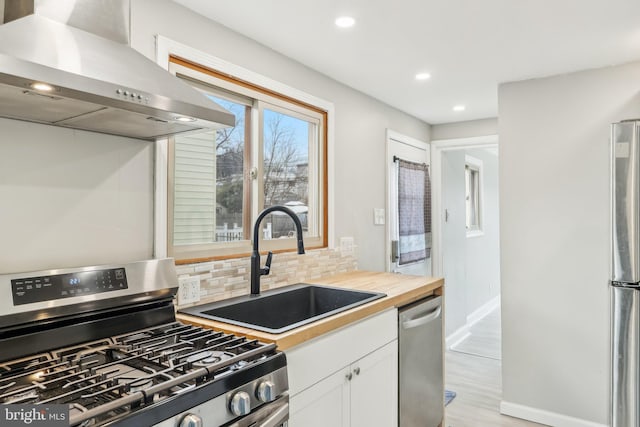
(374, 388)
(323, 404)
(347, 378)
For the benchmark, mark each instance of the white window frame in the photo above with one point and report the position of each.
(476, 164)
(165, 48)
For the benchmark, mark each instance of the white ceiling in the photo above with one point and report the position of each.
(468, 46)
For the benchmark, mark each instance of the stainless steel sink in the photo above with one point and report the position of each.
(285, 308)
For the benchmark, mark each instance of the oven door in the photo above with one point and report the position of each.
(273, 414)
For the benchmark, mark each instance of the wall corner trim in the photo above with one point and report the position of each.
(544, 417)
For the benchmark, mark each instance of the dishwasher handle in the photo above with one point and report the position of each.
(423, 319)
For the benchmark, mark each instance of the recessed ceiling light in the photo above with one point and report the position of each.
(185, 119)
(345, 22)
(423, 76)
(42, 86)
(459, 108)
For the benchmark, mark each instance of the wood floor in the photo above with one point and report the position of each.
(473, 371)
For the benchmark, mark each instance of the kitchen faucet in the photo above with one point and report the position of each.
(256, 271)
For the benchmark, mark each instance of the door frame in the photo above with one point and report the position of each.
(408, 140)
(439, 146)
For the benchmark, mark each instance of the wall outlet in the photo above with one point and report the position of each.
(346, 244)
(188, 289)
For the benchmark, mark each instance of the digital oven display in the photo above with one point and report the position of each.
(28, 290)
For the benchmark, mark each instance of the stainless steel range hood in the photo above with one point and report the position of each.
(68, 63)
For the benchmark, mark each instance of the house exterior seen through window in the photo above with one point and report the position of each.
(209, 183)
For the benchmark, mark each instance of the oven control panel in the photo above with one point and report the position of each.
(28, 290)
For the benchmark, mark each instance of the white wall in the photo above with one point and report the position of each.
(471, 264)
(361, 121)
(554, 192)
(70, 198)
(454, 248)
(466, 129)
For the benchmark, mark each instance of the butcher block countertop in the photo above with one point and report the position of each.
(400, 289)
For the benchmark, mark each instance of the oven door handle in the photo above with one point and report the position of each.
(272, 414)
(277, 418)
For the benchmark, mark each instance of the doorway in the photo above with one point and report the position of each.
(466, 232)
(467, 255)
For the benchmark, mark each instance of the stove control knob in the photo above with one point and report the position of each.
(191, 420)
(240, 403)
(266, 391)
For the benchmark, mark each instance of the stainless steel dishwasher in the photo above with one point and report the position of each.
(420, 376)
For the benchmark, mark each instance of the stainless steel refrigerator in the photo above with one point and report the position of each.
(625, 274)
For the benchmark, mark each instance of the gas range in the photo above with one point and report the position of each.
(121, 359)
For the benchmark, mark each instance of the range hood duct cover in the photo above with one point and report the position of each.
(100, 84)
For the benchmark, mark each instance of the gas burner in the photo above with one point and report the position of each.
(133, 378)
(137, 385)
(208, 357)
(199, 356)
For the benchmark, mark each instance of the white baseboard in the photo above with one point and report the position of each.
(483, 310)
(457, 337)
(544, 417)
(463, 332)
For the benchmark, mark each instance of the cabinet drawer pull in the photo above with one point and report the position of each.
(356, 371)
(349, 376)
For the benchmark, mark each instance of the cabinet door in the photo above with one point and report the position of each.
(326, 403)
(374, 388)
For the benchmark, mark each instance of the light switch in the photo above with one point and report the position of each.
(378, 216)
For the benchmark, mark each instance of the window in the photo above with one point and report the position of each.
(219, 181)
(209, 183)
(473, 195)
